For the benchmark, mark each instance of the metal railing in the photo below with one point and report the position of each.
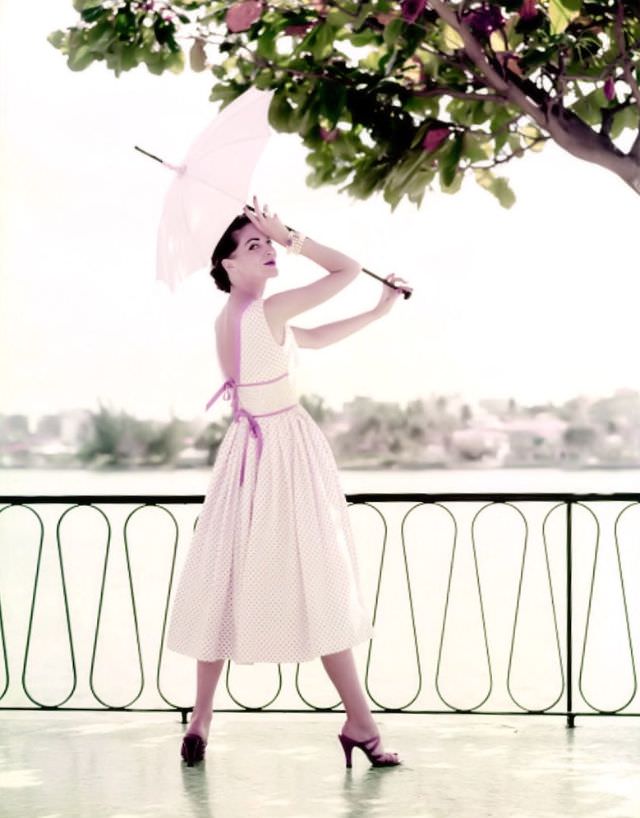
(573, 566)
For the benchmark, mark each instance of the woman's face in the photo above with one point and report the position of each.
(254, 259)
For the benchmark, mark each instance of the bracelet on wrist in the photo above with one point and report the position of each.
(295, 242)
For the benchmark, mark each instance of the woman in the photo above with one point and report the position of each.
(271, 573)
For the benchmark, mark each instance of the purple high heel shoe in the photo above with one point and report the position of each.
(193, 747)
(368, 747)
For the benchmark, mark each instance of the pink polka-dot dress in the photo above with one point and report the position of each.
(271, 573)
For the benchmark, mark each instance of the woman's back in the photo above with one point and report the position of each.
(226, 337)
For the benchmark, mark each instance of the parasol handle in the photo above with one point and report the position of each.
(405, 293)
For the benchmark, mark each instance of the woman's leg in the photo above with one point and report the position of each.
(342, 672)
(208, 674)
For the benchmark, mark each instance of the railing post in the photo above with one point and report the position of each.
(571, 719)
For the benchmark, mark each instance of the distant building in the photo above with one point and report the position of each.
(75, 426)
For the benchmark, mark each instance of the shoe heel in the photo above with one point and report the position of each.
(368, 747)
(192, 749)
(347, 746)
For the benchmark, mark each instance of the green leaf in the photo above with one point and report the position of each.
(476, 147)
(497, 185)
(392, 197)
(175, 62)
(123, 57)
(449, 158)
(344, 147)
(499, 141)
(372, 60)
(320, 41)
(561, 13)
(154, 62)
(535, 58)
(481, 112)
(422, 105)
(264, 80)
(392, 31)
(364, 12)
(100, 36)
(125, 24)
(333, 99)
(400, 175)
(282, 116)
(79, 59)
(627, 118)
(455, 185)
(514, 142)
(419, 180)
(503, 192)
(365, 37)
(266, 44)
(338, 19)
(92, 13)
(58, 39)
(450, 40)
(340, 175)
(420, 133)
(226, 93)
(416, 197)
(530, 134)
(502, 116)
(462, 111)
(588, 106)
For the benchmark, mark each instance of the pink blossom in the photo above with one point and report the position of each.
(300, 29)
(528, 9)
(484, 20)
(240, 16)
(412, 9)
(434, 138)
(328, 136)
(609, 89)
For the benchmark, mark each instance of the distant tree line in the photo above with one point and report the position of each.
(442, 430)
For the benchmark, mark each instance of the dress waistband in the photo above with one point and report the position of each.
(230, 390)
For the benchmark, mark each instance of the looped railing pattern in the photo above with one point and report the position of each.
(482, 603)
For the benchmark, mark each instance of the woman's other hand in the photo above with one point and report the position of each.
(390, 295)
(268, 223)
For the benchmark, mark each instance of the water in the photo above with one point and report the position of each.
(194, 481)
(524, 638)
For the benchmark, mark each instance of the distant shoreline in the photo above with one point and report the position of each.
(364, 467)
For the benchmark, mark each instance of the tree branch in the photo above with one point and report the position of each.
(479, 58)
(567, 129)
(519, 152)
(450, 92)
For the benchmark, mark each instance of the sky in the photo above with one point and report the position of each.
(539, 302)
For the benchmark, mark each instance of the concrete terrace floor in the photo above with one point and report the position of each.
(126, 765)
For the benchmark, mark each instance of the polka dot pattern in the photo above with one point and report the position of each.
(271, 573)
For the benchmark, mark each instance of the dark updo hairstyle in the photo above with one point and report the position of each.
(223, 250)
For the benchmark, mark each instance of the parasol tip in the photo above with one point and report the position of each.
(146, 153)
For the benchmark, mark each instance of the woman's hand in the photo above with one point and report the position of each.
(390, 295)
(270, 224)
